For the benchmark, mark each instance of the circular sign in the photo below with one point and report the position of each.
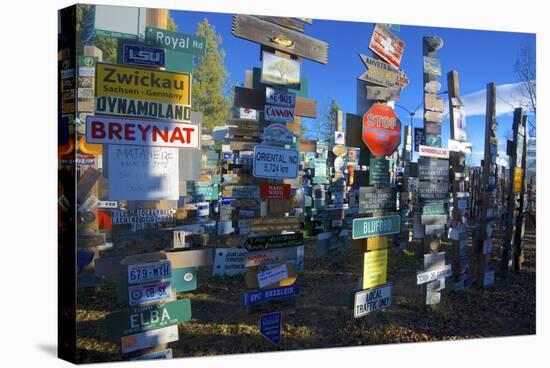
(381, 130)
(339, 164)
(188, 276)
(339, 150)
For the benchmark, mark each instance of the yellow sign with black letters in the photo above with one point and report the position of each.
(375, 268)
(143, 84)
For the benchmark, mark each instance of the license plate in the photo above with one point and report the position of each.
(146, 293)
(146, 272)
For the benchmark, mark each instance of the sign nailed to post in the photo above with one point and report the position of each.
(271, 325)
(376, 226)
(271, 162)
(381, 130)
(387, 45)
(274, 191)
(382, 73)
(373, 199)
(371, 300)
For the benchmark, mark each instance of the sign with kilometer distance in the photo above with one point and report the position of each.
(272, 162)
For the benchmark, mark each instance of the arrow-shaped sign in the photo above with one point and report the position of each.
(382, 73)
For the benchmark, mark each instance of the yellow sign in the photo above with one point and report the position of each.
(372, 243)
(143, 84)
(518, 175)
(375, 268)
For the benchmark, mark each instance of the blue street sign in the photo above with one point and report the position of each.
(256, 297)
(271, 325)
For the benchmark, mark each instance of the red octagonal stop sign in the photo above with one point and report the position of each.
(381, 130)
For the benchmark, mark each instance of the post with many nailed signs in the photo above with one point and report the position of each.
(457, 150)
(433, 173)
(381, 134)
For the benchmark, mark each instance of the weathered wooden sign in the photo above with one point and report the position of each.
(437, 152)
(285, 22)
(383, 74)
(375, 266)
(189, 44)
(151, 317)
(381, 130)
(429, 169)
(382, 93)
(432, 66)
(229, 262)
(139, 132)
(372, 199)
(371, 300)
(433, 116)
(255, 99)
(279, 38)
(375, 226)
(433, 102)
(262, 296)
(261, 242)
(147, 339)
(274, 191)
(271, 162)
(387, 45)
(147, 272)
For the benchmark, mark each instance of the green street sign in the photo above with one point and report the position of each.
(147, 318)
(175, 41)
(379, 172)
(376, 226)
(435, 208)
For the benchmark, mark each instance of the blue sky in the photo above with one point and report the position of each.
(479, 57)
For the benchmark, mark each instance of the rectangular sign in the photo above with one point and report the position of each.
(459, 124)
(376, 226)
(148, 339)
(147, 293)
(278, 114)
(457, 146)
(147, 318)
(427, 276)
(279, 70)
(418, 138)
(279, 97)
(139, 132)
(162, 354)
(274, 191)
(262, 296)
(262, 242)
(387, 45)
(372, 199)
(433, 192)
(436, 208)
(264, 224)
(147, 272)
(434, 219)
(429, 169)
(229, 262)
(375, 266)
(272, 276)
(379, 172)
(432, 66)
(430, 151)
(142, 55)
(189, 44)
(272, 162)
(268, 256)
(371, 300)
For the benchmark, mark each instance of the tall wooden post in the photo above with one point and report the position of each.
(520, 219)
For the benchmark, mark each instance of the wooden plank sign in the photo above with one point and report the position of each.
(279, 38)
(375, 226)
(262, 242)
(383, 74)
(285, 22)
(387, 45)
(382, 93)
(371, 300)
(147, 318)
(433, 103)
(148, 339)
(372, 199)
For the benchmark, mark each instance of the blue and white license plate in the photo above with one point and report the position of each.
(147, 293)
(147, 272)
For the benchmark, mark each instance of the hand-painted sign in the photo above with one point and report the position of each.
(176, 41)
(427, 276)
(373, 199)
(429, 169)
(432, 66)
(376, 226)
(381, 130)
(383, 74)
(229, 262)
(387, 45)
(272, 276)
(147, 293)
(147, 272)
(263, 224)
(277, 134)
(371, 300)
(262, 296)
(279, 97)
(375, 266)
(147, 339)
(262, 242)
(434, 151)
(428, 191)
(271, 325)
(270, 162)
(139, 132)
(274, 191)
(147, 318)
(279, 70)
(267, 256)
(280, 114)
(142, 55)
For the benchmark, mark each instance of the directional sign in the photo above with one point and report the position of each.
(261, 242)
(381, 130)
(147, 318)
(271, 325)
(371, 300)
(373, 199)
(376, 226)
(175, 41)
(387, 45)
(271, 162)
(262, 296)
(383, 74)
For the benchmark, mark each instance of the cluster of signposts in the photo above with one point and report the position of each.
(156, 198)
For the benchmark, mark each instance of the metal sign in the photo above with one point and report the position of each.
(274, 191)
(383, 74)
(418, 138)
(147, 272)
(268, 256)
(371, 300)
(375, 266)
(261, 242)
(429, 169)
(379, 172)
(381, 130)
(264, 224)
(248, 114)
(427, 276)
(142, 55)
(147, 293)
(189, 44)
(387, 45)
(437, 152)
(280, 114)
(271, 325)
(139, 132)
(459, 124)
(279, 97)
(271, 162)
(372, 199)
(277, 134)
(229, 262)
(375, 226)
(272, 276)
(433, 192)
(148, 339)
(262, 296)
(279, 70)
